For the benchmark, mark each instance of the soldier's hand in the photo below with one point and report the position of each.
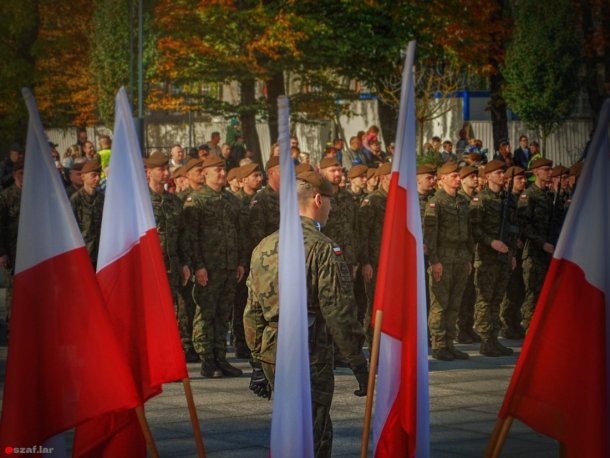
(548, 247)
(202, 276)
(259, 384)
(362, 376)
(499, 246)
(240, 273)
(186, 274)
(437, 271)
(367, 273)
(354, 271)
(4, 261)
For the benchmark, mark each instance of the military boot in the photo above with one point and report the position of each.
(489, 349)
(474, 335)
(457, 354)
(225, 367)
(191, 356)
(442, 354)
(464, 337)
(209, 368)
(511, 334)
(505, 351)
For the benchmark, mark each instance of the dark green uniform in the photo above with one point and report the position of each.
(10, 204)
(449, 240)
(423, 202)
(465, 320)
(329, 303)
(359, 287)
(88, 210)
(264, 215)
(216, 243)
(535, 214)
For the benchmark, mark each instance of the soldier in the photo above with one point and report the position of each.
(88, 205)
(469, 177)
(372, 180)
(559, 186)
(217, 251)
(182, 182)
(370, 220)
(265, 207)
(167, 209)
(74, 177)
(449, 241)
(329, 304)
(357, 183)
(10, 205)
(510, 310)
(537, 225)
(193, 170)
(493, 216)
(232, 181)
(250, 179)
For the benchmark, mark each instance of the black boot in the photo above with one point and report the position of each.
(457, 354)
(225, 367)
(474, 335)
(464, 337)
(442, 354)
(209, 368)
(191, 356)
(505, 351)
(489, 349)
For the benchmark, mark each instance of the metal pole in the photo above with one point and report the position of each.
(140, 122)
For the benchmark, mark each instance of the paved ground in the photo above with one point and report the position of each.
(465, 397)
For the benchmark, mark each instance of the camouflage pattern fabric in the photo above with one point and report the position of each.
(264, 215)
(340, 225)
(88, 211)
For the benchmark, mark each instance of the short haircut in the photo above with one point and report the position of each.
(305, 191)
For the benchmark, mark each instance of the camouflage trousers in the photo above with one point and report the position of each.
(237, 328)
(322, 389)
(185, 314)
(510, 310)
(368, 315)
(213, 312)
(445, 299)
(534, 271)
(490, 280)
(465, 320)
(360, 294)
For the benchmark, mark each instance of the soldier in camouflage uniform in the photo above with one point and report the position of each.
(372, 181)
(448, 239)
(493, 216)
(74, 178)
(193, 170)
(233, 185)
(265, 206)
(214, 232)
(167, 209)
(537, 225)
(88, 206)
(370, 220)
(559, 187)
(469, 176)
(10, 205)
(510, 310)
(330, 308)
(250, 179)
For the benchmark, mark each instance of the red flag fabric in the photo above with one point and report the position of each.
(64, 363)
(401, 422)
(560, 383)
(133, 280)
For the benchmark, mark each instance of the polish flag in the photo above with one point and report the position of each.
(560, 383)
(132, 276)
(291, 421)
(64, 363)
(401, 418)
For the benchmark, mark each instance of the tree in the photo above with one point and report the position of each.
(541, 67)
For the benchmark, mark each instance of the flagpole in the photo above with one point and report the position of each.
(150, 441)
(188, 393)
(371, 387)
(498, 437)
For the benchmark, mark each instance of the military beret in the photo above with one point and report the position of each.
(494, 165)
(447, 167)
(304, 167)
(213, 161)
(178, 172)
(383, 169)
(542, 162)
(424, 169)
(233, 174)
(514, 171)
(247, 170)
(18, 166)
(192, 163)
(559, 170)
(357, 171)
(328, 162)
(156, 159)
(91, 166)
(78, 165)
(319, 182)
(273, 161)
(468, 170)
(370, 173)
(576, 169)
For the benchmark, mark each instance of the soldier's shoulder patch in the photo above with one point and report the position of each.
(432, 205)
(253, 202)
(523, 197)
(338, 251)
(366, 202)
(189, 199)
(475, 199)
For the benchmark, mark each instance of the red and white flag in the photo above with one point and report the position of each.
(64, 363)
(560, 383)
(133, 279)
(401, 418)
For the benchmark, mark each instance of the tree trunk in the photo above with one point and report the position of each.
(497, 107)
(388, 118)
(275, 88)
(248, 119)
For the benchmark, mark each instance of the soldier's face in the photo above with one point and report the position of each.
(359, 182)
(158, 175)
(425, 182)
(543, 173)
(215, 177)
(565, 181)
(496, 177)
(471, 181)
(519, 183)
(91, 179)
(451, 180)
(333, 174)
(76, 178)
(254, 181)
(195, 175)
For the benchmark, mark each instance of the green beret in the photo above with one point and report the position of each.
(247, 170)
(303, 168)
(78, 165)
(370, 173)
(213, 161)
(156, 159)
(273, 161)
(91, 166)
(468, 170)
(178, 172)
(446, 168)
(559, 170)
(494, 165)
(425, 169)
(233, 173)
(192, 163)
(357, 170)
(384, 169)
(514, 171)
(329, 162)
(320, 183)
(542, 162)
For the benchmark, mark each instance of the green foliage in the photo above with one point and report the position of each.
(541, 67)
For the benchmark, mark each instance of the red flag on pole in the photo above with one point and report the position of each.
(401, 422)
(64, 364)
(133, 279)
(560, 383)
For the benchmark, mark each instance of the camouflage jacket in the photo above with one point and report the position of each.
(340, 225)
(538, 221)
(486, 222)
(182, 195)
(264, 215)
(330, 299)
(10, 203)
(447, 229)
(370, 221)
(213, 229)
(167, 209)
(88, 211)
